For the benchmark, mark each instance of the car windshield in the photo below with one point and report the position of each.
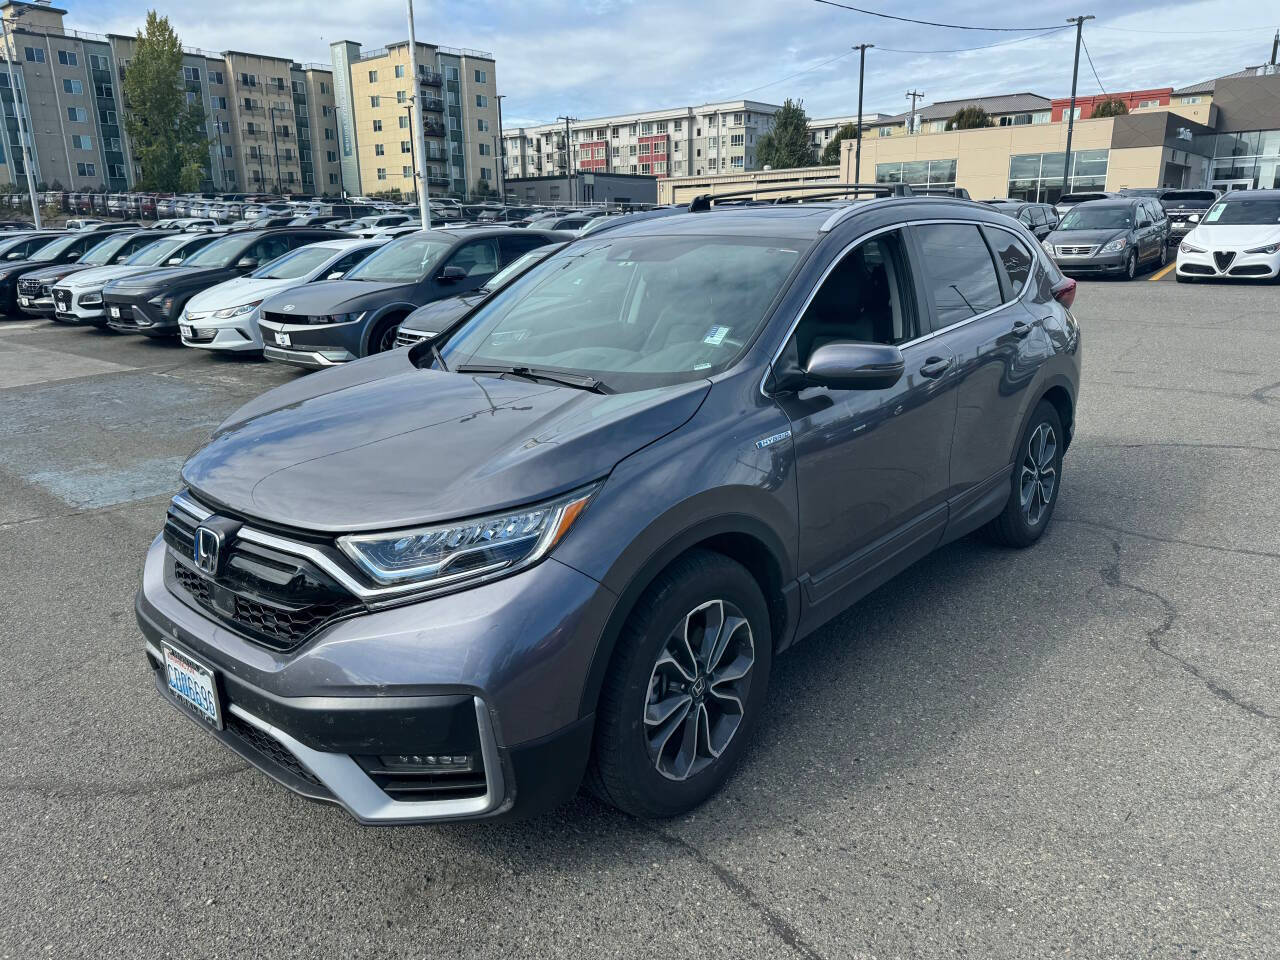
(406, 260)
(104, 252)
(519, 266)
(1259, 212)
(221, 253)
(154, 254)
(55, 249)
(295, 264)
(1081, 197)
(1097, 218)
(1189, 198)
(634, 312)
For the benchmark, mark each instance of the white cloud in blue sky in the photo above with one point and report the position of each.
(610, 56)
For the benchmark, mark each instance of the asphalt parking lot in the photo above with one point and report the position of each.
(1068, 751)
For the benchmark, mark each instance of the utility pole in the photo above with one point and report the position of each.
(913, 96)
(275, 148)
(568, 160)
(1071, 111)
(502, 155)
(418, 130)
(1275, 48)
(857, 150)
(413, 156)
(11, 55)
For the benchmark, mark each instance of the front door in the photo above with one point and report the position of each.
(1224, 185)
(872, 465)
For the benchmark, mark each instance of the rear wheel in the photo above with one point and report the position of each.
(1037, 475)
(685, 689)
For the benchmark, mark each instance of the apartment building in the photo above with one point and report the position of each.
(823, 129)
(1005, 110)
(374, 91)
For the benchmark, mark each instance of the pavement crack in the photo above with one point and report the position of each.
(70, 790)
(777, 924)
(1239, 551)
(1189, 446)
(1111, 576)
(1261, 394)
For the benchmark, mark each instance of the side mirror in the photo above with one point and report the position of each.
(855, 366)
(1143, 224)
(247, 263)
(72, 257)
(173, 261)
(336, 275)
(14, 256)
(452, 275)
(1194, 218)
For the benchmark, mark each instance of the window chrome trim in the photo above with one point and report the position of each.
(924, 337)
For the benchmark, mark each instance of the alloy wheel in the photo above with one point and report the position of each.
(1131, 266)
(697, 689)
(1039, 478)
(388, 339)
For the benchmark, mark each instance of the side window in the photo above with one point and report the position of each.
(1025, 215)
(866, 298)
(343, 264)
(268, 248)
(1014, 258)
(479, 258)
(959, 272)
(1038, 218)
(513, 248)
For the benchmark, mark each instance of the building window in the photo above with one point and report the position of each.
(482, 125)
(377, 126)
(72, 86)
(68, 58)
(451, 73)
(86, 170)
(402, 96)
(379, 150)
(382, 173)
(737, 139)
(219, 103)
(331, 156)
(918, 173)
(481, 100)
(328, 133)
(375, 101)
(884, 131)
(399, 70)
(406, 172)
(1148, 103)
(33, 54)
(662, 126)
(98, 63)
(1189, 100)
(406, 146)
(1015, 120)
(484, 173)
(1037, 177)
(216, 78)
(107, 116)
(484, 149)
(191, 73)
(333, 179)
(373, 76)
(404, 122)
(248, 79)
(482, 76)
(77, 115)
(81, 142)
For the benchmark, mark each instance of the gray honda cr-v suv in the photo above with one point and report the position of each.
(569, 535)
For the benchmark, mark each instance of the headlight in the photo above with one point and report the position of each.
(1048, 247)
(239, 311)
(164, 302)
(1185, 247)
(339, 317)
(1116, 245)
(470, 550)
(91, 300)
(1269, 248)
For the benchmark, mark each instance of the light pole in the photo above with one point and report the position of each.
(502, 155)
(275, 148)
(413, 155)
(22, 127)
(1071, 112)
(424, 207)
(857, 150)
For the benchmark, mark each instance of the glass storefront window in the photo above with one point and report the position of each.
(918, 173)
(1038, 176)
(1248, 155)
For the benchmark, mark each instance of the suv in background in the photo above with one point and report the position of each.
(64, 248)
(150, 303)
(1185, 208)
(1113, 237)
(1238, 238)
(35, 290)
(1069, 200)
(573, 533)
(333, 321)
(1039, 218)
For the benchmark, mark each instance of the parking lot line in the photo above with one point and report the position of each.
(1162, 273)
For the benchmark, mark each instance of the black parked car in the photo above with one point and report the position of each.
(334, 321)
(1069, 200)
(63, 248)
(429, 320)
(1039, 218)
(442, 582)
(1115, 237)
(150, 303)
(35, 289)
(1182, 205)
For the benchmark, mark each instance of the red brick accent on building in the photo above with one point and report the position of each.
(1086, 104)
(659, 152)
(587, 160)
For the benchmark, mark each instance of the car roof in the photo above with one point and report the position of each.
(1267, 193)
(1113, 202)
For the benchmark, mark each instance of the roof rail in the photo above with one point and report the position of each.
(704, 201)
(960, 193)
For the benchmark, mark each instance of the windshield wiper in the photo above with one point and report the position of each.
(582, 382)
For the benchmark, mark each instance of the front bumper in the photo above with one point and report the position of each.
(235, 334)
(69, 307)
(1099, 263)
(1228, 265)
(37, 303)
(496, 672)
(313, 345)
(138, 315)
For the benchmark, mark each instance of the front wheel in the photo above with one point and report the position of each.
(383, 337)
(1131, 265)
(1037, 477)
(685, 689)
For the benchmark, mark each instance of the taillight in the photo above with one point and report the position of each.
(1064, 291)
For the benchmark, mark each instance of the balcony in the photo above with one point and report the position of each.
(437, 181)
(430, 78)
(433, 129)
(434, 104)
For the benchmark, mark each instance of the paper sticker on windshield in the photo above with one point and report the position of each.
(715, 336)
(1215, 213)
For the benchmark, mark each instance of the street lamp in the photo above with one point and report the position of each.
(10, 56)
(413, 157)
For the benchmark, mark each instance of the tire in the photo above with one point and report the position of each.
(1020, 524)
(1131, 265)
(639, 761)
(383, 337)
(1164, 255)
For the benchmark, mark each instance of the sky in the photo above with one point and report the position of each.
(601, 57)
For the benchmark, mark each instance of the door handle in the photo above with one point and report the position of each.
(1021, 329)
(935, 367)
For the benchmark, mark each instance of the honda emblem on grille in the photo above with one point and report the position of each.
(208, 548)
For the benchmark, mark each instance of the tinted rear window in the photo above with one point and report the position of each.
(961, 274)
(1189, 198)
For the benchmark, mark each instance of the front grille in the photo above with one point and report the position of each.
(1200, 268)
(1076, 251)
(201, 336)
(297, 319)
(62, 299)
(28, 288)
(417, 785)
(1251, 270)
(270, 597)
(268, 747)
(125, 319)
(1223, 258)
(406, 339)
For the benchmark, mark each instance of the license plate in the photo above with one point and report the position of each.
(25, 301)
(192, 683)
(282, 339)
(115, 312)
(186, 330)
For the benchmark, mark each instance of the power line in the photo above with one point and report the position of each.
(928, 23)
(1092, 68)
(1183, 33)
(819, 66)
(985, 46)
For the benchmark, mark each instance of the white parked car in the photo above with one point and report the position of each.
(1238, 238)
(77, 298)
(83, 223)
(225, 317)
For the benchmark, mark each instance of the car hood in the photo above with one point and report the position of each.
(1084, 238)
(54, 273)
(379, 444)
(434, 317)
(338, 296)
(99, 276)
(164, 276)
(1230, 236)
(11, 267)
(237, 290)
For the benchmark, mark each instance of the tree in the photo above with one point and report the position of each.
(789, 143)
(1111, 107)
(166, 132)
(969, 118)
(831, 152)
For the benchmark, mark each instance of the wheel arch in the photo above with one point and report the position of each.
(401, 309)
